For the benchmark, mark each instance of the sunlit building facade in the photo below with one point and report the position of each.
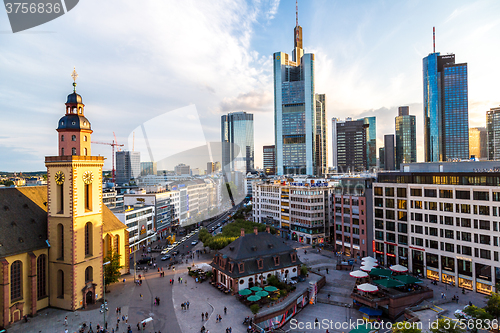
(406, 137)
(237, 142)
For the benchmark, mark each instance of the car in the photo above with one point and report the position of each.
(164, 251)
(194, 242)
(143, 260)
(299, 278)
(166, 257)
(176, 252)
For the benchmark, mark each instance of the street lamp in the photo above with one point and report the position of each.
(104, 291)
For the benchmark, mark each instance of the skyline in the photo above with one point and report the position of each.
(138, 64)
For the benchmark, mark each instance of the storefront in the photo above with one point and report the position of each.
(465, 282)
(483, 287)
(432, 274)
(448, 278)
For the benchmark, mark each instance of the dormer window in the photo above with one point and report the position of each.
(241, 267)
(294, 257)
(231, 267)
(260, 263)
(276, 260)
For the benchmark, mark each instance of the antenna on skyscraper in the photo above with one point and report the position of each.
(433, 39)
(296, 13)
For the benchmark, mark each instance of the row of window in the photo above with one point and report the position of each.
(433, 193)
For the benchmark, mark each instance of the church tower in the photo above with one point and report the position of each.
(74, 185)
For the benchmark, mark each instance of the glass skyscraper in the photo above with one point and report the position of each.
(237, 142)
(493, 129)
(371, 142)
(406, 137)
(446, 112)
(299, 114)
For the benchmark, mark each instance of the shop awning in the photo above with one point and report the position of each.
(380, 272)
(389, 283)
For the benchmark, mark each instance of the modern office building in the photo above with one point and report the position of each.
(148, 168)
(446, 113)
(351, 224)
(389, 154)
(269, 160)
(213, 167)
(139, 220)
(298, 209)
(334, 142)
(237, 137)
(441, 220)
(299, 113)
(128, 166)
(351, 145)
(371, 142)
(493, 129)
(406, 137)
(478, 142)
(381, 158)
(182, 169)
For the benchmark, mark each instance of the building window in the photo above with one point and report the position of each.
(260, 263)
(89, 274)
(62, 151)
(73, 138)
(276, 260)
(85, 138)
(88, 197)
(41, 276)
(88, 238)
(16, 271)
(60, 201)
(85, 151)
(73, 151)
(62, 137)
(241, 268)
(60, 238)
(60, 284)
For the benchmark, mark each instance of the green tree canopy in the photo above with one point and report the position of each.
(112, 270)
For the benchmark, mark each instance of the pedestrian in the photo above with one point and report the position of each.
(327, 271)
(442, 295)
(328, 296)
(202, 316)
(187, 303)
(126, 319)
(230, 329)
(66, 331)
(141, 296)
(66, 321)
(217, 319)
(457, 299)
(179, 279)
(225, 311)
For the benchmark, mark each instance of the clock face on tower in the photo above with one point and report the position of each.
(88, 177)
(59, 177)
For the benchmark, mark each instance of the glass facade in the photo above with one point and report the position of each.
(237, 142)
(406, 140)
(446, 120)
(300, 115)
(351, 145)
(371, 141)
(493, 130)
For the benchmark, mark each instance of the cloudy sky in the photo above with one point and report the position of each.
(170, 69)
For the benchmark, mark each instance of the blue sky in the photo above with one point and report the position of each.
(143, 62)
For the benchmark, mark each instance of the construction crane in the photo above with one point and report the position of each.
(113, 145)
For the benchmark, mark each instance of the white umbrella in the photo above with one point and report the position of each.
(367, 287)
(204, 266)
(369, 258)
(398, 269)
(369, 261)
(358, 274)
(367, 268)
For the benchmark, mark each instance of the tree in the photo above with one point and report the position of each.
(493, 305)
(446, 325)
(254, 308)
(479, 317)
(406, 327)
(112, 270)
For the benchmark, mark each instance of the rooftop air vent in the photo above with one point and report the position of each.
(25, 206)
(254, 248)
(6, 208)
(231, 248)
(270, 246)
(21, 240)
(13, 223)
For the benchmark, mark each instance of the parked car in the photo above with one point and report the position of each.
(166, 257)
(194, 242)
(143, 261)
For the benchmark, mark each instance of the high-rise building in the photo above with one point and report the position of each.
(389, 152)
(334, 142)
(321, 150)
(182, 169)
(493, 128)
(406, 137)
(269, 160)
(128, 166)
(237, 137)
(371, 141)
(148, 168)
(478, 142)
(351, 145)
(446, 113)
(299, 114)
(381, 158)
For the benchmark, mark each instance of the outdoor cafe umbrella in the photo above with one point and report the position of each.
(270, 288)
(389, 283)
(262, 293)
(408, 279)
(398, 269)
(367, 268)
(358, 274)
(255, 288)
(245, 292)
(369, 258)
(253, 298)
(380, 272)
(366, 287)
